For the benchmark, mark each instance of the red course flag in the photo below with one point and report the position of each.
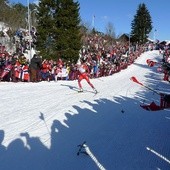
(135, 80)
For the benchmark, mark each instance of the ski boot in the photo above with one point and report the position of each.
(95, 91)
(80, 90)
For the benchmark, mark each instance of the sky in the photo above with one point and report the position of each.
(121, 13)
(42, 125)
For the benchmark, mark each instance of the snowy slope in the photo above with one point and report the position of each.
(44, 122)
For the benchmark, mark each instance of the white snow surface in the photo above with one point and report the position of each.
(43, 123)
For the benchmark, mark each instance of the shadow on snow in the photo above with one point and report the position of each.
(114, 130)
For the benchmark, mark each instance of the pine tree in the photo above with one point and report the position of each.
(141, 26)
(10, 14)
(4, 10)
(59, 29)
(16, 20)
(45, 22)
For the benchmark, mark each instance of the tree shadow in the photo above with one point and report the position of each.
(115, 131)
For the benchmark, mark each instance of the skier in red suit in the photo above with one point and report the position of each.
(84, 74)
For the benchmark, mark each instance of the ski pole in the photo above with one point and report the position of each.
(83, 148)
(98, 164)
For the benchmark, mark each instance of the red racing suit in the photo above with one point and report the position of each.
(83, 74)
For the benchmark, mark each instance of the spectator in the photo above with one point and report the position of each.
(34, 67)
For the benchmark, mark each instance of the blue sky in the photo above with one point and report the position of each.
(121, 12)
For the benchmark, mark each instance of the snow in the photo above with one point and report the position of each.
(43, 123)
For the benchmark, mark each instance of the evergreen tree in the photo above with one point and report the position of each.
(4, 10)
(45, 23)
(141, 26)
(67, 31)
(16, 20)
(59, 29)
(14, 15)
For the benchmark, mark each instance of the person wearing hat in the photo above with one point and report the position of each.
(84, 74)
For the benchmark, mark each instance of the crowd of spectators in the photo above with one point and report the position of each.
(164, 65)
(22, 39)
(102, 58)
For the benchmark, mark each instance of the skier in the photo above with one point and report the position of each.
(84, 74)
